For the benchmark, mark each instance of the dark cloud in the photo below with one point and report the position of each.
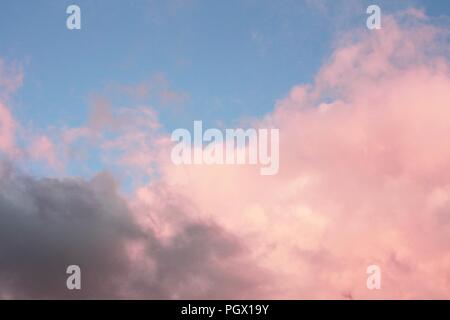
(201, 262)
(49, 224)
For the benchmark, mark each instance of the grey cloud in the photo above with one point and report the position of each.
(48, 224)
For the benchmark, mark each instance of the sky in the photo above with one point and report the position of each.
(232, 58)
(86, 177)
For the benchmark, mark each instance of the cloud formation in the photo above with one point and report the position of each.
(364, 172)
(364, 179)
(7, 130)
(48, 224)
(11, 78)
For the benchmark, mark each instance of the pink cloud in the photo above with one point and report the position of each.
(7, 130)
(364, 175)
(43, 149)
(11, 78)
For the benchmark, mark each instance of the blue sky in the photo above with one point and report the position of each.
(232, 59)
